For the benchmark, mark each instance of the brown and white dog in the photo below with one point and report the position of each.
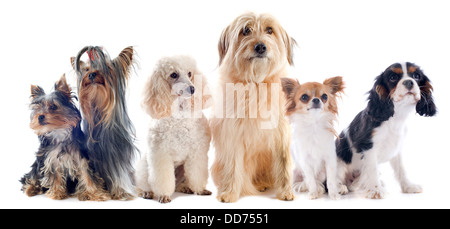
(252, 147)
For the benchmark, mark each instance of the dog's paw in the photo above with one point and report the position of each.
(375, 193)
(146, 194)
(313, 195)
(343, 189)
(100, 196)
(300, 187)
(184, 189)
(334, 195)
(228, 197)
(286, 195)
(204, 193)
(412, 188)
(164, 199)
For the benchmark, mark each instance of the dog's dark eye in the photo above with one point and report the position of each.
(189, 74)
(393, 78)
(53, 107)
(174, 75)
(246, 31)
(324, 97)
(415, 76)
(304, 98)
(269, 30)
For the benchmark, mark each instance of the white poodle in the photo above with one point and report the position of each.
(179, 136)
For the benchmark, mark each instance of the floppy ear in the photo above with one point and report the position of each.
(335, 84)
(380, 106)
(36, 91)
(426, 107)
(157, 96)
(224, 42)
(62, 86)
(289, 43)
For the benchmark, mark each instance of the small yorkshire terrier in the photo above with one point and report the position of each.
(179, 136)
(312, 110)
(102, 83)
(62, 162)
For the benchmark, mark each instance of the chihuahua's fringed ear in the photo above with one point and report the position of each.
(157, 96)
(289, 87)
(380, 105)
(62, 86)
(36, 91)
(335, 84)
(426, 107)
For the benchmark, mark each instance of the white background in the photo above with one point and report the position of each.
(354, 39)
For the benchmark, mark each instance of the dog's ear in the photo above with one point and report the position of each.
(426, 107)
(125, 59)
(380, 106)
(62, 86)
(289, 87)
(335, 84)
(36, 91)
(290, 44)
(157, 96)
(224, 43)
(74, 64)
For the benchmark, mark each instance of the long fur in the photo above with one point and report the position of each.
(179, 135)
(62, 165)
(377, 133)
(250, 159)
(110, 132)
(312, 110)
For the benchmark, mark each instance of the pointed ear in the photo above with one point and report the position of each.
(74, 64)
(335, 84)
(125, 60)
(289, 86)
(62, 86)
(224, 42)
(36, 91)
(426, 107)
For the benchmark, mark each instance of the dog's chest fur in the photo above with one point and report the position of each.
(313, 138)
(179, 137)
(389, 136)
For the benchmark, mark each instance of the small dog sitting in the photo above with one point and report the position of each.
(179, 137)
(377, 133)
(102, 84)
(312, 110)
(62, 167)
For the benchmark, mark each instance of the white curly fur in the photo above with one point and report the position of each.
(179, 135)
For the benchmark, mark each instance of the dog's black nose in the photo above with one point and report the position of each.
(41, 118)
(408, 84)
(260, 48)
(92, 75)
(316, 101)
(192, 89)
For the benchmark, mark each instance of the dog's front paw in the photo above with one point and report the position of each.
(204, 193)
(164, 199)
(375, 193)
(334, 195)
(286, 195)
(300, 187)
(343, 189)
(412, 188)
(228, 197)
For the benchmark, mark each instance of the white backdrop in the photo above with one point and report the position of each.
(354, 39)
